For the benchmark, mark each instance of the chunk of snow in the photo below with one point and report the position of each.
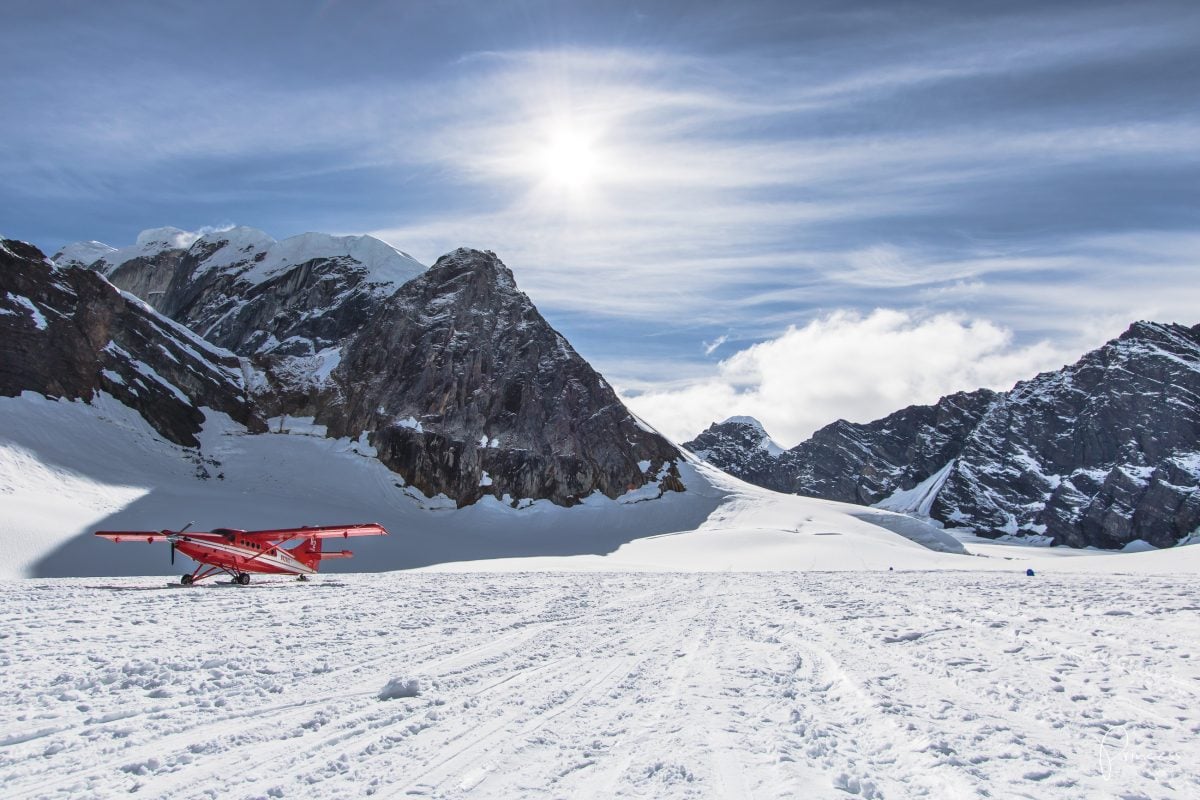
(397, 688)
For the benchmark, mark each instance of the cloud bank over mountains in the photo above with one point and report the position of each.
(847, 366)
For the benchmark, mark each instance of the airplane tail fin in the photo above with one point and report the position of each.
(311, 553)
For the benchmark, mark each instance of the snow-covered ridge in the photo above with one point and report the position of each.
(251, 254)
(149, 243)
(83, 253)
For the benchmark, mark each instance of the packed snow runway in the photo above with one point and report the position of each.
(724, 685)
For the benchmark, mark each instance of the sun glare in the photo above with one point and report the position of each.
(569, 159)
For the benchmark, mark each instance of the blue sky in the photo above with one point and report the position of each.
(800, 211)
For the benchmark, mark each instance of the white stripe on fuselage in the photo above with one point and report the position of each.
(282, 559)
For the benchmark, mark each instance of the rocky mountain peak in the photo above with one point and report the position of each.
(469, 391)
(23, 254)
(165, 238)
(82, 254)
(288, 305)
(469, 265)
(741, 446)
(1159, 332)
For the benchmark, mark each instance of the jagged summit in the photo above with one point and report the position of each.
(477, 264)
(744, 420)
(741, 446)
(289, 304)
(472, 392)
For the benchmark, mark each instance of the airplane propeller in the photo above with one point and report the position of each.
(171, 537)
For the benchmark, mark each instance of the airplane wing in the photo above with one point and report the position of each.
(155, 536)
(319, 532)
(133, 536)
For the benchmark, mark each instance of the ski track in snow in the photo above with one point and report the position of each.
(729, 685)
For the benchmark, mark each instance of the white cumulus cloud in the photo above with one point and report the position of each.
(848, 366)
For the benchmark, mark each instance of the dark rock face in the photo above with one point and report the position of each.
(866, 463)
(469, 391)
(1100, 453)
(849, 462)
(66, 332)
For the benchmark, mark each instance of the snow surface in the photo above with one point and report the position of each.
(724, 642)
(83, 253)
(702, 685)
(55, 492)
(384, 263)
(35, 313)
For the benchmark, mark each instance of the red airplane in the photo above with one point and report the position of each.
(238, 553)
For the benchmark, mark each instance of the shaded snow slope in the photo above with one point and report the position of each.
(822, 686)
(918, 500)
(68, 468)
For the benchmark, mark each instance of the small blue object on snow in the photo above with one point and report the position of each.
(1029, 572)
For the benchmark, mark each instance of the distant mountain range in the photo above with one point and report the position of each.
(448, 374)
(1101, 453)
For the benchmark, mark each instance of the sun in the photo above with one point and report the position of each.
(569, 158)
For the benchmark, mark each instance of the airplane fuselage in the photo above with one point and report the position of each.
(243, 555)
